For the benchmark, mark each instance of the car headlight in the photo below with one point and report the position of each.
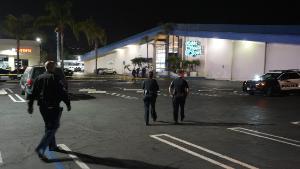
(260, 84)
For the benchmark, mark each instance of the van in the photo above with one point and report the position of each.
(31, 73)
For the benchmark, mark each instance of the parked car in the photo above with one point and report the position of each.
(284, 81)
(68, 72)
(14, 72)
(103, 71)
(31, 73)
(4, 71)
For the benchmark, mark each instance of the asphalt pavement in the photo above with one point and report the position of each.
(224, 128)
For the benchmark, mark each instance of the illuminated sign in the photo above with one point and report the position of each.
(25, 50)
(193, 48)
(22, 50)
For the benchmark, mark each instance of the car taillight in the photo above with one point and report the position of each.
(29, 82)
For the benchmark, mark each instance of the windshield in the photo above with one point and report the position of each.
(270, 76)
(38, 71)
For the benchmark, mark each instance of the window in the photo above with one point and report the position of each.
(284, 76)
(294, 76)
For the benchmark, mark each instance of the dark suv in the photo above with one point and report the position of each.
(31, 73)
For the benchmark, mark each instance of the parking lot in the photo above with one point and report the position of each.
(224, 128)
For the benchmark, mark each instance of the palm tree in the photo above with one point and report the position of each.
(18, 28)
(94, 34)
(60, 17)
(146, 40)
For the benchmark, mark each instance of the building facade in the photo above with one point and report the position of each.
(225, 52)
(29, 53)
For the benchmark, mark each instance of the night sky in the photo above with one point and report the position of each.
(122, 18)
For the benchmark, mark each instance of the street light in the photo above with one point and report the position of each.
(39, 40)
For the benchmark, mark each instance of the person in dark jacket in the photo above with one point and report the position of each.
(133, 74)
(138, 72)
(150, 88)
(143, 72)
(49, 91)
(179, 89)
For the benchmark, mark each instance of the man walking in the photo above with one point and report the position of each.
(49, 91)
(150, 88)
(179, 89)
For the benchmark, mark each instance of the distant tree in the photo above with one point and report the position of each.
(146, 40)
(174, 62)
(94, 34)
(139, 61)
(18, 28)
(60, 17)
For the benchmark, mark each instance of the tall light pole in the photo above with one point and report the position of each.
(39, 40)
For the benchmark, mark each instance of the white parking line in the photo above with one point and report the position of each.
(86, 90)
(96, 92)
(16, 101)
(266, 136)
(74, 157)
(3, 92)
(131, 89)
(22, 100)
(9, 90)
(296, 122)
(1, 160)
(203, 149)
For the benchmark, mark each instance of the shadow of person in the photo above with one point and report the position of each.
(162, 123)
(225, 124)
(109, 161)
(197, 123)
(80, 96)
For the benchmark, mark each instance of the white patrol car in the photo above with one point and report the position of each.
(279, 81)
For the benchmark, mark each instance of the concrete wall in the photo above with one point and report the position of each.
(282, 56)
(118, 57)
(222, 59)
(218, 59)
(248, 60)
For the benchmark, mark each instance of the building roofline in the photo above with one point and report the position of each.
(262, 33)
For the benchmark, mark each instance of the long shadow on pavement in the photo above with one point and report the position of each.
(108, 161)
(197, 123)
(79, 96)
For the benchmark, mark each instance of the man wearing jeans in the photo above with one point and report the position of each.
(49, 91)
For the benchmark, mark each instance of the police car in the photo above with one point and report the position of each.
(275, 82)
